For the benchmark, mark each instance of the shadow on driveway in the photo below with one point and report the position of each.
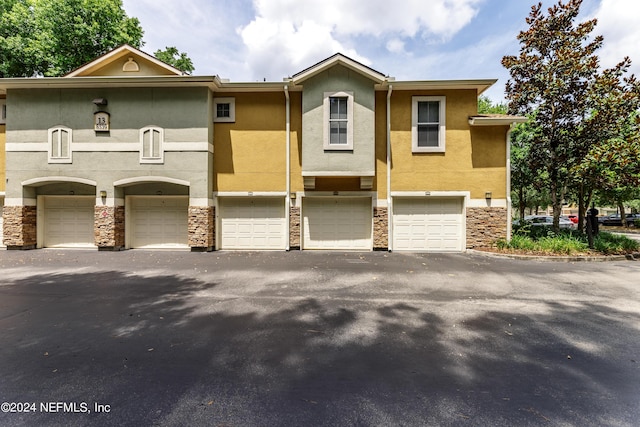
(170, 350)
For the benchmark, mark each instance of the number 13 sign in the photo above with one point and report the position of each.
(101, 122)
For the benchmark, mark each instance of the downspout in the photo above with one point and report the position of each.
(287, 202)
(389, 203)
(509, 213)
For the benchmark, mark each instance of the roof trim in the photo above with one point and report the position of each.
(496, 120)
(480, 85)
(341, 59)
(111, 56)
(111, 81)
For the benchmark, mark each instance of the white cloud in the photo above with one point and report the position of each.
(619, 23)
(288, 34)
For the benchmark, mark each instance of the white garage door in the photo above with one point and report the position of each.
(68, 222)
(252, 223)
(159, 222)
(337, 223)
(428, 224)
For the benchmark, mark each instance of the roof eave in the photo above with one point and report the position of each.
(496, 121)
(94, 82)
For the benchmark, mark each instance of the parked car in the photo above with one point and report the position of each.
(616, 220)
(547, 221)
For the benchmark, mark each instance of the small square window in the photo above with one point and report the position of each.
(224, 110)
(3, 111)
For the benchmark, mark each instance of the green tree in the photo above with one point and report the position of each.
(486, 106)
(53, 37)
(179, 60)
(551, 76)
(611, 134)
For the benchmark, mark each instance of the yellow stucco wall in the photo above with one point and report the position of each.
(297, 183)
(249, 155)
(474, 159)
(3, 158)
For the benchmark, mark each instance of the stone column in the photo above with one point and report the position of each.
(294, 228)
(109, 228)
(380, 228)
(485, 226)
(20, 227)
(201, 228)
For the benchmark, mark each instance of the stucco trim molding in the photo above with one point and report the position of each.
(465, 194)
(37, 182)
(249, 193)
(338, 174)
(120, 147)
(145, 179)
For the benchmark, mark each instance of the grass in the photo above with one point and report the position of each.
(544, 241)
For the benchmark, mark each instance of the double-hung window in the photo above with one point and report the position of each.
(428, 124)
(151, 145)
(338, 121)
(59, 141)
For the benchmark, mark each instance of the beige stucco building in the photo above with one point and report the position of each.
(126, 152)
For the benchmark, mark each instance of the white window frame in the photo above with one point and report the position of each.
(63, 157)
(442, 128)
(152, 159)
(232, 109)
(3, 111)
(326, 121)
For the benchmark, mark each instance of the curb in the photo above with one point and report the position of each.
(576, 258)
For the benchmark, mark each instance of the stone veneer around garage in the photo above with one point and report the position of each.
(20, 227)
(485, 226)
(109, 227)
(294, 228)
(201, 228)
(380, 228)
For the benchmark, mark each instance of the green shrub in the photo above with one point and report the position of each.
(609, 243)
(566, 242)
(636, 222)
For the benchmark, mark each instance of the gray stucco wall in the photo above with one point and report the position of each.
(314, 157)
(183, 113)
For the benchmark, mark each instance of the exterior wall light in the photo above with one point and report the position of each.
(103, 194)
(487, 195)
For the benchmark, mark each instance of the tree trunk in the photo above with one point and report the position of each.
(581, 208)
(623, 216)
(522, 203)
(556, 203)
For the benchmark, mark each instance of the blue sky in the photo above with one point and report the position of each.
(251, 40)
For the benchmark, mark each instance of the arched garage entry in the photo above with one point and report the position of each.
(156, 212)
(65, 211)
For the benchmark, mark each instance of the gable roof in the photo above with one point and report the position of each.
(341, 59)
(93, 68)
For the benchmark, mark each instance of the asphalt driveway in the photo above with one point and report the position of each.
(316, 339)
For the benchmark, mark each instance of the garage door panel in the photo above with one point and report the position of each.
(428, 224)
(337, 223)
(159, 222)
(69, 222)
(252, 223)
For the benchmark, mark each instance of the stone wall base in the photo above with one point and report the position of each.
(294, 228)
(485, 226)
(380, 228)
(201, 228)
(20, 227)
(109, 228)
